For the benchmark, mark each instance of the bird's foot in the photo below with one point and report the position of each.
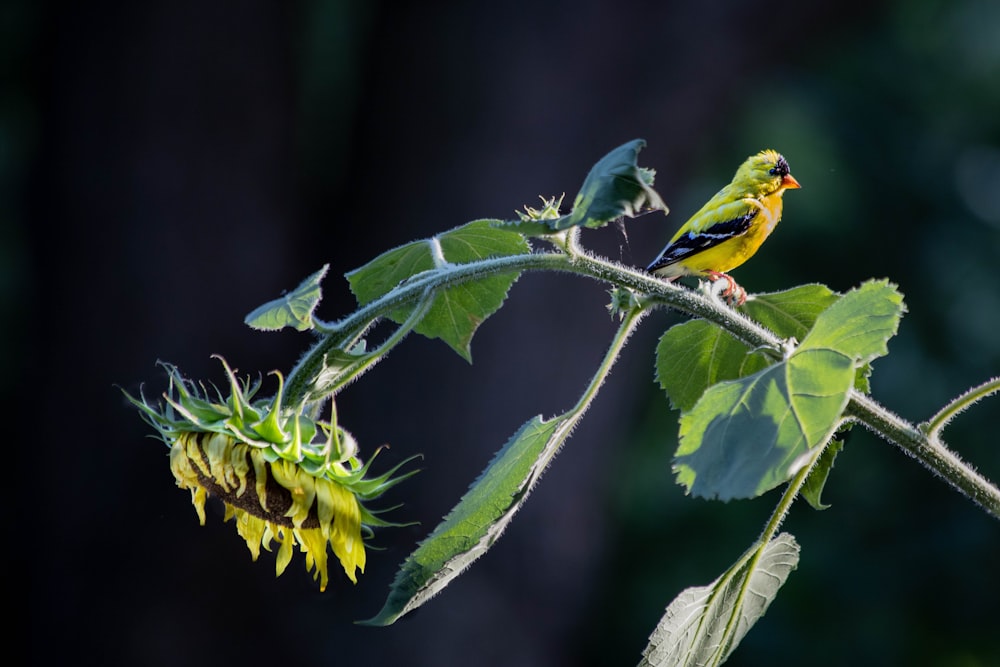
(733, 293)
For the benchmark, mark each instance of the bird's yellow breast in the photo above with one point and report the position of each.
(731, 253)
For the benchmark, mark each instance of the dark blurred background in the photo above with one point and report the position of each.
(165, 167)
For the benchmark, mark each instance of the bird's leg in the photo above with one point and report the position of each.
(734, 294)
(718, 275)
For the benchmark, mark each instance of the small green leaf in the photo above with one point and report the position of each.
(616, 186)
(747, 436)
(812, 488)
(472, 527)
(294, 309)
(704, 624)
(458, 310)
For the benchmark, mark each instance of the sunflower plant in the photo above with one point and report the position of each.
(765, 390)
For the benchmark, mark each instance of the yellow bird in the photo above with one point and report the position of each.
(729, 229)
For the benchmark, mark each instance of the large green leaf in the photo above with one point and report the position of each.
(861, 323)
(704, 624)
(861, 326)
(457, 310)
(616, 186)
(748, 435)
(294, 309)
(472, 527)
(694, 355)
(474, 524)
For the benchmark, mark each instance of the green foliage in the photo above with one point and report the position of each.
(704, 624)
(758, 408)
(791, 313)
(616, 186)
(693, 356)
(294, 309)
(457, 310)
(745, 436)
(474, 524)
(697, 354)
(812, 489)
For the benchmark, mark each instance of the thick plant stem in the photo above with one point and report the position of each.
(930, 451)
(861, 408)
(301, 380)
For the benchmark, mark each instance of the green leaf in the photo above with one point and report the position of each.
(694, 355)
(860, 323)
(812, 488)
(616, 186)
(704, 624)
(457, 310)
(294, 309)
(747, 436)
(744, 437)
(473, 525)
(791, 313)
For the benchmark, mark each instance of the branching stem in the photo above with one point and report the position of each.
(921, 444)
(932, 427)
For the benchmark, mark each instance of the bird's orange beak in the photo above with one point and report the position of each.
(788, 181)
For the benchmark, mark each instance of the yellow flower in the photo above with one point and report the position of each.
(284, 478)
(272, 501)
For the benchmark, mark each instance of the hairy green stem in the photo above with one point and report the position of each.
(934, 425)
(301, 380)
(630, 321)
(352, 371)
(771, 528)
(930, 451)
(570, 418)
(861, 408)
(787, 498)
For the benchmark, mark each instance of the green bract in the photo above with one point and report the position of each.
(616, 186)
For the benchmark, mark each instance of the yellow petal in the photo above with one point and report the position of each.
(251, 529)
(301, 487)
(238, 462)
(193, 452)
(325, 505)
(180, 466)
(287, 540)
(345, 538)
(198, 495)
(313, 543)
(217, 448)
(260, 476)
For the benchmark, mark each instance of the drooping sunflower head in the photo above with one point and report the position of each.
(284, 477)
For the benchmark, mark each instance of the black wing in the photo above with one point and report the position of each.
(695, 242)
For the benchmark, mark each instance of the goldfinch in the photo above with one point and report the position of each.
(729, 229)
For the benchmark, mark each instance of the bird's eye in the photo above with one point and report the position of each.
(780, 168)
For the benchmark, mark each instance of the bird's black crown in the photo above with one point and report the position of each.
(780, 167)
